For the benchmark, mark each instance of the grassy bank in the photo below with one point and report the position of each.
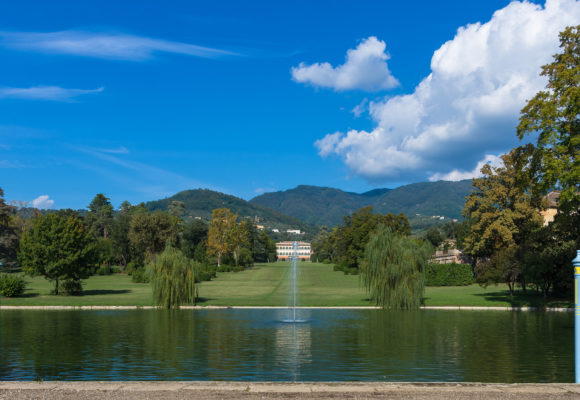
(268, 285)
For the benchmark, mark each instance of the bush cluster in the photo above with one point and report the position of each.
(107, 270)
(71, 287)
(12, 285)
(204, 272)
(140, 275)
(449, 275)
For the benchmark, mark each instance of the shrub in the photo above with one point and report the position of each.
(449, 275)
(140, 275)
(71, 287)
(104, 270)
(204, 272)
(12, 285)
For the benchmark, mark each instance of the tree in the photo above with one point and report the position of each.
(177, 209)
(349, 240)
(265, 250)
(100, 216)
(149, 234)
(194, 233)
(173, 279)
(393, 269)
(220, 234)
(433, 236)
(58, 248)
(120, 233)
(8, 233)
(554, 114)
(503, 217)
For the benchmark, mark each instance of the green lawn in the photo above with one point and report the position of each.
(111, 290)
(268, 285)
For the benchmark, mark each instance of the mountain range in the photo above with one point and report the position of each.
(306, 206)
(327, 206)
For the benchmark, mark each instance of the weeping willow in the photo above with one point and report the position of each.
(393, 269)
(173, 279)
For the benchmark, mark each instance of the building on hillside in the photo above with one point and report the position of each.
(449, 256)
(550, 212)
(294, 231)
(285, 250)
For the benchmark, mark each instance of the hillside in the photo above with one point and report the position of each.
(201, 202)
(326, 206)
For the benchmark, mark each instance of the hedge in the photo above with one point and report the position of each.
(449, 275)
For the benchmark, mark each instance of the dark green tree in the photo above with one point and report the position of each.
(434, 236)
(8, 234)
(149, 234)
(120, 233)
(393, 269)
(99, 218)
(193, 234)
(58, 248)
(177, 209)
(350, 239)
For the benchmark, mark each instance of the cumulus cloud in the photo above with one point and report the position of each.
(116, 46)
(52, 93)
(457, 175)
(365, 68)
(467, 107)
(43, 202)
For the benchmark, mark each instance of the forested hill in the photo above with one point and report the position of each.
(327, 206)
(201, 202)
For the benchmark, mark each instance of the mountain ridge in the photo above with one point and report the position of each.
(318, 205)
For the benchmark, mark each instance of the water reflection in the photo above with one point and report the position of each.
(292, 350)
(254, 345)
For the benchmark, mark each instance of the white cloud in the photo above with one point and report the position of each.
(365, 68)
(468, 106)
(43, 202)
(53, 93)
(360, 108)
(116, 46)
(457, 175)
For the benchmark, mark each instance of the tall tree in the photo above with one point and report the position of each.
(194, 233)
(58, 248)
(177, 209)
(100, 216)
(351, 238)
(149, 234)
(503, 217)
(221, 228)
(393, 269)
(554, 115)
(8, 233)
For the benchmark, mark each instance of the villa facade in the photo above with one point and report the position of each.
(285, 250)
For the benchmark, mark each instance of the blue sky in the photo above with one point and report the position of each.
(142, 99)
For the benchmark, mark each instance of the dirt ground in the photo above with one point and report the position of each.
(251, 391)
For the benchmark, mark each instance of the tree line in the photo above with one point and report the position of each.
(66, 246)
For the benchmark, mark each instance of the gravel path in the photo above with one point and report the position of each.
(258, 390)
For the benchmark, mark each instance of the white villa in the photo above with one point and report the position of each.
(284, 250)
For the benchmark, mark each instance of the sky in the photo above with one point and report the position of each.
(142, 99)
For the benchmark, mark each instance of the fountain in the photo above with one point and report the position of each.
(293, 276)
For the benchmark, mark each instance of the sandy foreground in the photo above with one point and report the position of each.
(269, 390)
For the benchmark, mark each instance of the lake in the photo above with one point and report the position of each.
(254, 345)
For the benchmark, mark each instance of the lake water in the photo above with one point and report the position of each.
(253, 345)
